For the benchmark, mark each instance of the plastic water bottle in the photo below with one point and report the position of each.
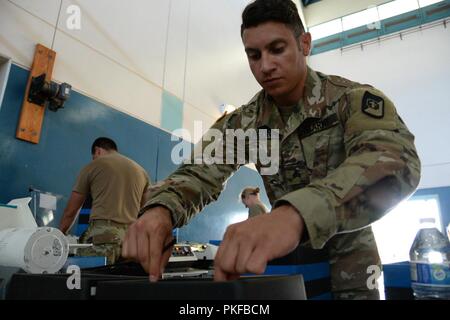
(430, 263)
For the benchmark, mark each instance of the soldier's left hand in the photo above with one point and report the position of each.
(248, 246)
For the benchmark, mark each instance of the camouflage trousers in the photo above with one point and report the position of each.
(351, 255)
(106, 237)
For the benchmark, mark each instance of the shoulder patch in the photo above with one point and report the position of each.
(372, 105)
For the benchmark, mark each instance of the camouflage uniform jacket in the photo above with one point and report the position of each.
(346, 158)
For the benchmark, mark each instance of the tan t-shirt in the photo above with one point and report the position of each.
(257, 209)
(116, 185)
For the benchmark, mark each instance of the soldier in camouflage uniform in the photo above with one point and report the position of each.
(345, 159)
(106, 237)
(250, 198)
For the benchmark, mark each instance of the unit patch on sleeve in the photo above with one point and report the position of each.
(373, 105)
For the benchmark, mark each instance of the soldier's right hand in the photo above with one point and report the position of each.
(146, 238)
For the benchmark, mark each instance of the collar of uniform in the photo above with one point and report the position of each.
(269, 115)
(313, 96)
(311, 106)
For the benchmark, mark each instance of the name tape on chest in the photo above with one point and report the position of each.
(311, 126)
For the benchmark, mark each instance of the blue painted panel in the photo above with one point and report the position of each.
(212, 221)
(402, 22)
(436, 11)
(8, 206)
(214, 218)
(328, 43)
(359, 34)
(85, 262)
(64, 148)
(165, 163)
(172, 112)
(80, 228)
(397, 275)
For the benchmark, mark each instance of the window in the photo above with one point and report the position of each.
(361, 18)
(368, 16)
(424, 3)
(396, 8)
(395, 232)
(326, 29)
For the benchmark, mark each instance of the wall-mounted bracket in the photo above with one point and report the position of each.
(32, 114)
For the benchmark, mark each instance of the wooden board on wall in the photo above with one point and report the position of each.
(32, 115)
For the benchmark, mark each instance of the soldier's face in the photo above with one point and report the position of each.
(249, 200)
(278, 60)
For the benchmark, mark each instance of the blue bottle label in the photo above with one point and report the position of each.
(430, 273)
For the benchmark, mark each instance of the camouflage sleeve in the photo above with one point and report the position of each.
(381, 169)
(192, 186)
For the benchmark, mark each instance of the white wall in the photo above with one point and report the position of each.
(414, 73)
(301, 11)
(127, 52)
(217, 68)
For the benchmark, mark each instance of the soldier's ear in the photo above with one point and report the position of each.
(305, 43)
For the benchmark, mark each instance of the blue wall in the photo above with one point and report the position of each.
(64, 148)
(210, 224)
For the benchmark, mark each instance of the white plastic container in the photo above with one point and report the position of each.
(17, 214)
(40, 250)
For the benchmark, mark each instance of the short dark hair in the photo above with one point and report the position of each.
(260, 11)
(104, 143)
